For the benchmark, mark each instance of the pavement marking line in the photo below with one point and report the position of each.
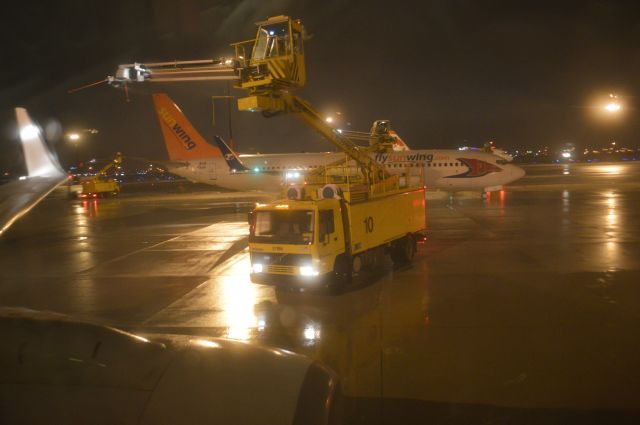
(155, 246)
(122, 257)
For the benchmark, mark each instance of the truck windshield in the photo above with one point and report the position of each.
(287, 227)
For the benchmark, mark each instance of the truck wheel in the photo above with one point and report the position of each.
(356, 264)
(342, 274)
(403, 251)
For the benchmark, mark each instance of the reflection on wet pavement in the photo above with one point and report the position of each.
(524, 299)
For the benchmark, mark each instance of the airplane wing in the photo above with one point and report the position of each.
(57, 369)
(45, 174)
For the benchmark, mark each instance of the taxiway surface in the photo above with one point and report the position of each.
(522, 308)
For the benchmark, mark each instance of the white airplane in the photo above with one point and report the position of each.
(81, 372)
(195, 159)
(44, 174)
(489, 147)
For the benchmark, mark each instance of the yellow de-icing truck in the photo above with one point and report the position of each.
(100, 184)
(322, 235)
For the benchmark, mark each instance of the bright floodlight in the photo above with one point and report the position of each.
(612, 107)
(329, 120)
(74, 136)
(566, 155)
(29, 132)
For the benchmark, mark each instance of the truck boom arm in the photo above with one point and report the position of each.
(117, 160)
(304, 111)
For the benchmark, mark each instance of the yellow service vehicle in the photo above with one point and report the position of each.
(324, 234)
(101, 185)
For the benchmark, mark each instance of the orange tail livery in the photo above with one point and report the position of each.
(182, 140)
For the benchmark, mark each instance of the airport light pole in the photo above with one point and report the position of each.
(213, 115)
(75, 137)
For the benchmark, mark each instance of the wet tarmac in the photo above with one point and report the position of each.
(523, 307)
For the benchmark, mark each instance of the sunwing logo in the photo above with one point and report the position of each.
(383, 158)
(182, 135)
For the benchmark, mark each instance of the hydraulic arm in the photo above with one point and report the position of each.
(269, 68)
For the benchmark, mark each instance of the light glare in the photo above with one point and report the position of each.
(612, 107)
(308, 271)
(206, 343)
(29, 131)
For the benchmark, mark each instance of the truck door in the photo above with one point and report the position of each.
(330, 235)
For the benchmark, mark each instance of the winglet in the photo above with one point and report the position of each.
(234, 163)
(39, 160)
(45, 174)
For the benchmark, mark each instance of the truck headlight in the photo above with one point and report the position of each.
(308, 271)
(256, 267)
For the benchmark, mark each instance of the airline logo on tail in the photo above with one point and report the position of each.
(171, 122)
(398, 143)
(234, 163)
(182, 140)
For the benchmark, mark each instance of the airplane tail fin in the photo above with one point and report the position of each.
(232, 160)
(39, 159)
(182, 140)
(398, 143)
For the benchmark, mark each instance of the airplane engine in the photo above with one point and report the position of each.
(59, 370)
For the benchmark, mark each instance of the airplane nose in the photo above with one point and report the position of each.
(516, 172)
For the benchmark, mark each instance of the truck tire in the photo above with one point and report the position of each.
(342, 273)
(403, 251)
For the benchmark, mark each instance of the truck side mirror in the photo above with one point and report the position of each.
(250, 217)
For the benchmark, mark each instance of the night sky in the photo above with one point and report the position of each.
(446, 73)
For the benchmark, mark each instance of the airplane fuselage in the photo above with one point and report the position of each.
(449, 170)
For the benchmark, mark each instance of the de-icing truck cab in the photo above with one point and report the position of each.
(322, 234)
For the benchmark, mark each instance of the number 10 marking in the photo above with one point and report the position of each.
(368, 224)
